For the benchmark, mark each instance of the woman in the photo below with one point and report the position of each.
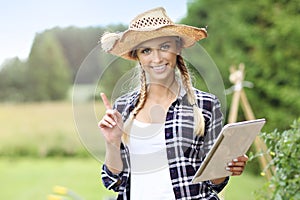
(157, 137)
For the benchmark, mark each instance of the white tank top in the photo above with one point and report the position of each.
(150, 177)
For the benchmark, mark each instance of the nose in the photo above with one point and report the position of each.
(157, 56)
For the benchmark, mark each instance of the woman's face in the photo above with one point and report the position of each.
(158, 57)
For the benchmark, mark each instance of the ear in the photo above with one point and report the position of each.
(179, 43)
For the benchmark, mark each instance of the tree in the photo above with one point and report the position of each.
(13, 81)
(77, 44)
(264, 35)
(48, 71)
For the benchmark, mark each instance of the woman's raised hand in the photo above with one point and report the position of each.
(111, 124)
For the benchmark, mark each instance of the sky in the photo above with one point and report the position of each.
(21, 20)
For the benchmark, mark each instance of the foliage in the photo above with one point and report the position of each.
(117, 78)
(265, 36)
(77, 45)
(48, 72)
(285, 149)
(13, 81)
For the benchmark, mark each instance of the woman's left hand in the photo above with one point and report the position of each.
(237, 165)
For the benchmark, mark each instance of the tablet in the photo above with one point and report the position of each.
(234, 140)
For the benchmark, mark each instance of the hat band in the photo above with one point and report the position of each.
(150, 23)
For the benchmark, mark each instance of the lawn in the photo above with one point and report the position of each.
(244, 186)
(33, 178)
(48, 128)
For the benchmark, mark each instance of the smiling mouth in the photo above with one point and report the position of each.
(160, 68)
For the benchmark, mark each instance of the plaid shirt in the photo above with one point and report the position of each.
(185, 151)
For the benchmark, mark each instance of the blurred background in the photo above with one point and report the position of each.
(44, 43)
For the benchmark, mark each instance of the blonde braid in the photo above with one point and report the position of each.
(186, 80)
(140, 105)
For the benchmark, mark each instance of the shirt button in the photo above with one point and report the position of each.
(168, 135)
(170, 153)
(173, 173)
(169, 116)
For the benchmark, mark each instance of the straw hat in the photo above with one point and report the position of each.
(148, 25)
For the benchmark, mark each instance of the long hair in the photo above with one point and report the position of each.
(137, 108)
(186, 80)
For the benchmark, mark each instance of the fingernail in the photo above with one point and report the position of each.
(235, 160)
(227, 168)
(230, 164)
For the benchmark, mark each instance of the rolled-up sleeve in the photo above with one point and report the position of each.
(218, 187)
(117, 182)
(110, 180)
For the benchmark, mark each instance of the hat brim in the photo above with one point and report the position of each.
(131, 38)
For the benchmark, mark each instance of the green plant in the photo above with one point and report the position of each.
(284, 147)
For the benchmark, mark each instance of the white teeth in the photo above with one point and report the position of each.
(158, 68)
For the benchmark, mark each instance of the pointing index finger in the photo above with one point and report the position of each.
(105, 101)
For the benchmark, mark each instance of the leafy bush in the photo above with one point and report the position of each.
(284, 147)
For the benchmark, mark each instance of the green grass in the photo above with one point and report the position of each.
(244, 186)
(43, 129)
(34, 179)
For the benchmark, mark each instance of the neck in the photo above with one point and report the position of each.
(160, 91)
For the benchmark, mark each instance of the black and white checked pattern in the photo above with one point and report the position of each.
(185, 150)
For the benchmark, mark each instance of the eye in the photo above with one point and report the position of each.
(146, 51)
(165, 47)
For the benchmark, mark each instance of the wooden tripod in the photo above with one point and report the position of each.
(237, 78)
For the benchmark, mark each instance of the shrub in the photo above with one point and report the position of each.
(284, 147)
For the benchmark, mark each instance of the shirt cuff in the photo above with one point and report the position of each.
(218, 187)
(109, 173)
(110, 179)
